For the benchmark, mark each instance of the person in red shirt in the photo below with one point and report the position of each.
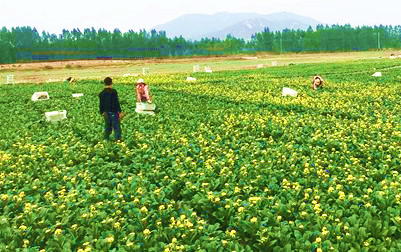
(142, 92)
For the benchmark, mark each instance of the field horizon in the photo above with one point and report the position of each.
(42, 72)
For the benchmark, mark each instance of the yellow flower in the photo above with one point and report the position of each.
(224, 242)
(21, 194)
(146, 232)
(22, 228)
(144, 209)
(110, 239)
(241, 209)
(341, 195)
(319, 250)
(117, 225)
(232, 233)
(26, 243)
(318, 240)
(58, 232)
(254, 219)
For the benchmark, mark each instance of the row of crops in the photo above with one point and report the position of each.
(226, 164)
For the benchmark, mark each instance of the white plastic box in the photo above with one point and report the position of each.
(289, 92)
(145, 70)
(208, 70)
(10, 79)
(377, 74)
(191, 79)
(40, 96)
(145, 108)
(77, 95)
(56, 115)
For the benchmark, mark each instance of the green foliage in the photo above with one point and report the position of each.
(23, 44)
(226, 164)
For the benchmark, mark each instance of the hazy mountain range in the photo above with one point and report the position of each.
(239, 25)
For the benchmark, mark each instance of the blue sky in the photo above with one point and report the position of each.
(53, 15)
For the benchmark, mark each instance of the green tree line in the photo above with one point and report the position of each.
(24, 44)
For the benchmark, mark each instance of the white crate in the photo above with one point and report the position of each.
(40, 96)
(56, 115)
(145, 70)
(10, 79)
(377, 74)
(191, 79)
(77, 95)
(208, 70)
(145, 108)
(289, 92)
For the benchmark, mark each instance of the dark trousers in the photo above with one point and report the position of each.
(111, 123)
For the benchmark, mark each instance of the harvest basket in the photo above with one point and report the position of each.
(40, 96)
(289, 92)
(56, 115)
(145, 108)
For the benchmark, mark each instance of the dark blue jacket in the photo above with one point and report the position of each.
(109, 101)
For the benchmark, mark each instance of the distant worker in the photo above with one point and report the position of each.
(317, 82)
(70, 80)
(110, 109)
(142, 92)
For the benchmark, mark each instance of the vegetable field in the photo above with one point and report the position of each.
(226, 164)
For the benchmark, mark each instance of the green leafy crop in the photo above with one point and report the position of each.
(227, 163)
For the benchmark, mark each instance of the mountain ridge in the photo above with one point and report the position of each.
(239, 25)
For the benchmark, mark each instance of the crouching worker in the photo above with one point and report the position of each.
(144, 103)
(110, 109)
(142, 92)
(317, 82)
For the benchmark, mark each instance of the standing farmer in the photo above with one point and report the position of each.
(110, 109)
